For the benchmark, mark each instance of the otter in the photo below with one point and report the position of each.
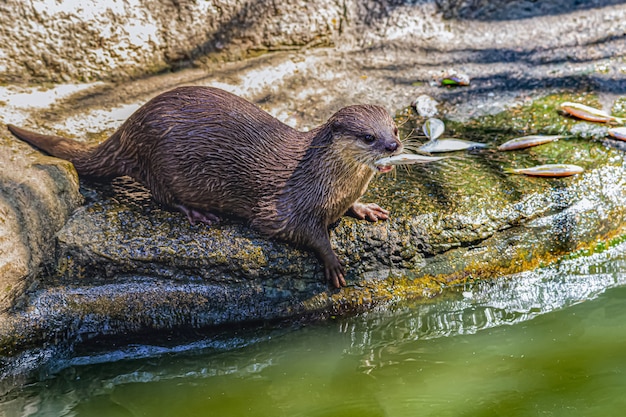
(207, 152)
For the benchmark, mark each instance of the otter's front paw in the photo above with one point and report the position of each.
(371, 212)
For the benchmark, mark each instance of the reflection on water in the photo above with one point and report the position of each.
(545, 343)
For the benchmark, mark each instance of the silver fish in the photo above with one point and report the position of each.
(528, 141)
(407, 159)
(618, 133)
(433, 128)
(589, 113)
(449, 145)
(549, 170)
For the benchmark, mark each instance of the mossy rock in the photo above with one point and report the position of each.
(123, 265)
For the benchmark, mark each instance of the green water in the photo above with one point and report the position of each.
(550, 343)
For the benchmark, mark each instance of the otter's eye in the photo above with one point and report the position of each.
(369, 138)
(395, 131)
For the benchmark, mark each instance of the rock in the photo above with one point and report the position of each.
(426, 106)
(59, 41)
(124, 265)
(122, 39)
(37, 195)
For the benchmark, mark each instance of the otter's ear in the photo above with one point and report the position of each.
(335, 126)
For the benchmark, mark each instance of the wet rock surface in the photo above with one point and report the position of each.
(121, 265)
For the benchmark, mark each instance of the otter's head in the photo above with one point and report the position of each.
(365, 133)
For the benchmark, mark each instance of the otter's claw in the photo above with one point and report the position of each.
(371, 212)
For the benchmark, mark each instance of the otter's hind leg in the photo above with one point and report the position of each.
(195, 215)
(162, 193)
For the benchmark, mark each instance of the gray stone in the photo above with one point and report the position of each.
(37, 195)
(93, 40)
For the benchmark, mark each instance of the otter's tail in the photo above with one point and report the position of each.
(91, 161)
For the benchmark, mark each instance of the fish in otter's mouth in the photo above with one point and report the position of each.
(386, 164)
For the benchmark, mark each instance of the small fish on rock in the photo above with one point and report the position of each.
(589, 113)
(549, 170)
(528, 141)
(618, 133)
(433, 128)
(407, 159)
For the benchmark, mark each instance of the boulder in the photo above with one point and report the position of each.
(123, 265)
(37, 195)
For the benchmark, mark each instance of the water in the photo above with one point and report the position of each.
(549, 343)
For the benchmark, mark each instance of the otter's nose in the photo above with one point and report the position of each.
(391, 146)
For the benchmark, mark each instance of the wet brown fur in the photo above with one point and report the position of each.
(209, 151)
